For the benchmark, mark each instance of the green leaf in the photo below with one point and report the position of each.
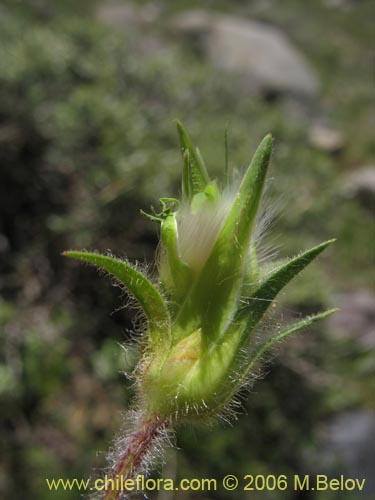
(143, 290)
(195, 177)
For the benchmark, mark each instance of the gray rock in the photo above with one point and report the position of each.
(121, 14)
(360, 184)
(340, 4)
(260, 52)
(347, 446)
(137, 19)
(356, 317)
(4, 243)
(326, 139)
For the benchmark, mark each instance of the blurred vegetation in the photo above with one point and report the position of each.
(86, 140)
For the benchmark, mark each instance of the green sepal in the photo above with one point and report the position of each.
(285, 332)
(243, 374)
(138, 285)
(195, 177)
(168, 206)
(204, 198)
(240, 220)
(216, 288)
(178, 270)
(256, 305)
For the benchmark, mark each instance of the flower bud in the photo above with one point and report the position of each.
(202, 312)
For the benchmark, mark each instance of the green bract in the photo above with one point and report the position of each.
(210, 294)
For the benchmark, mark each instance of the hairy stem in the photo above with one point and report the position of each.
(135, 456)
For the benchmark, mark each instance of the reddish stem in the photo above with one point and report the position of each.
(131, 461)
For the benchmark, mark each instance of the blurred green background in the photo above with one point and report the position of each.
(89, 91)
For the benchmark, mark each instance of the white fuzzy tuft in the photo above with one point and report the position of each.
(197, 233)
